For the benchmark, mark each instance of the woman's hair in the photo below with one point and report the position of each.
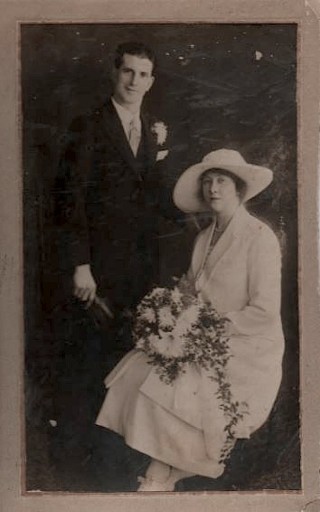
(239, 183)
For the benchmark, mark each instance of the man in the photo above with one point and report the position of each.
(107, 213)
(109, 189)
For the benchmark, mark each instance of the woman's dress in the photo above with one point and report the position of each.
(182, 424)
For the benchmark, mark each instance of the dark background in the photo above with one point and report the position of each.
(212, 90)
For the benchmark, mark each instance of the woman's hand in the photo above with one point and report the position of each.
(186, 286)
(228, 326)
(84, 285)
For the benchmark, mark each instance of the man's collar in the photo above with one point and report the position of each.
(125, 115)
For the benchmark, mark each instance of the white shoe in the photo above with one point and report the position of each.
(148, 484)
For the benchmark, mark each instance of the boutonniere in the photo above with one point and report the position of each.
(161, 131)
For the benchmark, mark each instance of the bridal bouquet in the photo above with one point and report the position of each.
(176, 328)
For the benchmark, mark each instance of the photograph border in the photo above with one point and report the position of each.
(11, 262)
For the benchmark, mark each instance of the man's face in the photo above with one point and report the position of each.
(132, 80)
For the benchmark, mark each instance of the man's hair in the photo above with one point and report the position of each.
(134, 48)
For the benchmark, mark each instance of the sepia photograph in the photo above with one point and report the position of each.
(159, 263)
(160, 249)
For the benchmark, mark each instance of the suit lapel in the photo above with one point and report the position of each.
(150, 144)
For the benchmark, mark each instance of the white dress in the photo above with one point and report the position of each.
(181, 424)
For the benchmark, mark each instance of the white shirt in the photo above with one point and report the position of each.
(126, 118)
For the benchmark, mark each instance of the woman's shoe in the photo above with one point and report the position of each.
(148, 484)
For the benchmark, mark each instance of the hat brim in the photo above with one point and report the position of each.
(186, 194)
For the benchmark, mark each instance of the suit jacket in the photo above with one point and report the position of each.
(107, 205)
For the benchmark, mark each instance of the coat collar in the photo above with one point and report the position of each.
(236, 226)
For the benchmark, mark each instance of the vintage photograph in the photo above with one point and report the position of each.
(160, 225)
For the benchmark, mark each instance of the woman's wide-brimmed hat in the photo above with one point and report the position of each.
(186, 194)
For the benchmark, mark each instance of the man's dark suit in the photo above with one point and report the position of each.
(107, 214)
(108, 206)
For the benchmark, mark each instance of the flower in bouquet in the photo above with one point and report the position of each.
(175, 327)
(156, 318)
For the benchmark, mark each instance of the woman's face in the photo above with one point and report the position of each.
(219, 192)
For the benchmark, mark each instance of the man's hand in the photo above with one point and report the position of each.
(84, 284)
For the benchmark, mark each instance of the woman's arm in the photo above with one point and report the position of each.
(264, 286)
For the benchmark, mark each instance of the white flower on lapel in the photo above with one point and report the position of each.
(161, 131)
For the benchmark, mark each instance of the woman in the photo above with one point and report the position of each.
(236, 267)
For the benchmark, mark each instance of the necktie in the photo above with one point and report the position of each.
(134, 136)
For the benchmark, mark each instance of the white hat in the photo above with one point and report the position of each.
(186, 194)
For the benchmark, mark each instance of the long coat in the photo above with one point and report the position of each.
(182, 424)
(107, 205)
(241, 277)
